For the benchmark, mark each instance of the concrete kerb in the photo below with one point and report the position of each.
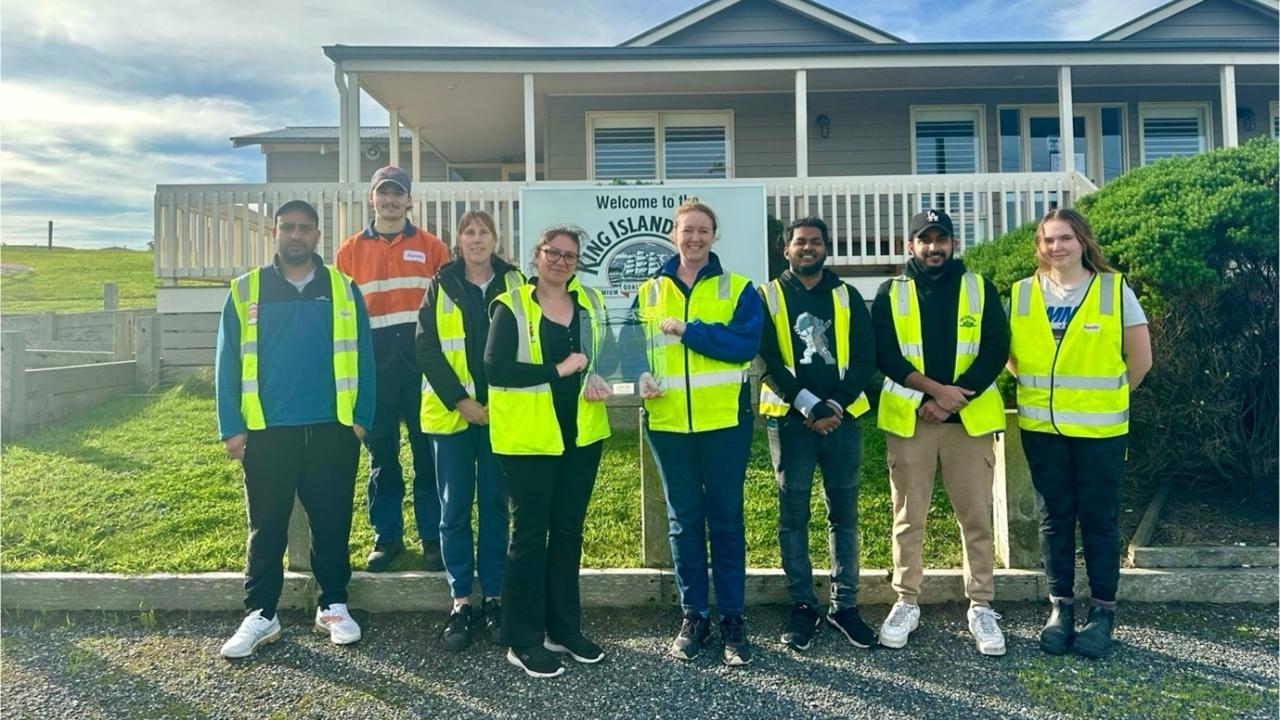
(424, 591)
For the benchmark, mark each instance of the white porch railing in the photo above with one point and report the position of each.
(220, 231)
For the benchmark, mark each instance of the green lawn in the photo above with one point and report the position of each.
(67, 280)
(142, 485)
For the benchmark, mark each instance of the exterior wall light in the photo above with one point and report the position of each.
(824, 125)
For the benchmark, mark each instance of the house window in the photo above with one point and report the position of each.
(1172, 130)
(1275, 120)
(660, 145)
(1010, 140)
(946, 140)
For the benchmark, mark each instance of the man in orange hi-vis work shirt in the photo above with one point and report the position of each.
(392, 261)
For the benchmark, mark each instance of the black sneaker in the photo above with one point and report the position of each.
(579, 647)
(432, 561)
(1094, 640)
(536, 661)
(798, 634)
(491, 614)
(737, 650)
(849, 622)
(383, 555)
(694, 630)
(457, 631)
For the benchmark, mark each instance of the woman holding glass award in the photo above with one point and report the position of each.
(702, 325)
(547, 425)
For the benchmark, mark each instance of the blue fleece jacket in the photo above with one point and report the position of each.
(295, 356)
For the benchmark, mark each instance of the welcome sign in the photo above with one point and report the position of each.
(628, 230)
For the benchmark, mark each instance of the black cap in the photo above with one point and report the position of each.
(922, 221)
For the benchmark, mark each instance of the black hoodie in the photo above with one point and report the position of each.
(939, 298)
(818, 376)
(452, 279)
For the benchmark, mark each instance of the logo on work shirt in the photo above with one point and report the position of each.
(813, 332)
(968, 321)
(344, 313)
(252, 314)
(1092, 327)
(415, 256)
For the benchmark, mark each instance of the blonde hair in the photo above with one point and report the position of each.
(689, 206)
(1091, 257)
(464, 222)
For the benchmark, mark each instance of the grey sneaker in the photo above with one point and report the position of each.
(254, 631)
(694, 630)
(737, 649)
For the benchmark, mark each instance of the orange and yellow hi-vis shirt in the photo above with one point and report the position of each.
(393, 275)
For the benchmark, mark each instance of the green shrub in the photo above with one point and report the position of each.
(1197, 239)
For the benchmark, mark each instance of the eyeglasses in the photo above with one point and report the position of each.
(300, 227)
(554, 256)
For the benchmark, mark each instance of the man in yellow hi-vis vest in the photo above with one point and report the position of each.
(819, 353)
(941, 340)
(295, 392)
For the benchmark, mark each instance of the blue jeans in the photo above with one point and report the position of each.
(467, 472)
(797, 451)
(702, 475)
(399, 391)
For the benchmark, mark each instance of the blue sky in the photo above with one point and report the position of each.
(101, 101)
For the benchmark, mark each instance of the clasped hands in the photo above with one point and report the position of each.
(949, 399)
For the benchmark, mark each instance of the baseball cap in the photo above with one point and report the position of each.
(922, 221)
(390, 174)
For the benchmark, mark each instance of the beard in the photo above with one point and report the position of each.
(808, 268)
(295, 255)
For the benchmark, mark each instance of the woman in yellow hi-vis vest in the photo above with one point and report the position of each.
(703, 328)
(453, 325)
(547, 425)
(1079, 347)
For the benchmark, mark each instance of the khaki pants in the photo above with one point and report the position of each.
(967, 470)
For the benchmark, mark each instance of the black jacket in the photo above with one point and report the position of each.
(818, 376)
(939, 298)
(452, 279)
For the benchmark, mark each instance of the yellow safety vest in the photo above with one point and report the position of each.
(522, 421)
(1079, 387)
(698, 392)
(346, 354)
(897, 414)
(771, 403)
(435, 417)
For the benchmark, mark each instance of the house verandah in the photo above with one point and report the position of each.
(862, 129)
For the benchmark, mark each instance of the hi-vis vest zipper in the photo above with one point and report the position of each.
(435, 417)
(346, 356)
(1079, 387)
(771, 403)
(897, 413)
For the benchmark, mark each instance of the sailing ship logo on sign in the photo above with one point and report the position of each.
(636, 262)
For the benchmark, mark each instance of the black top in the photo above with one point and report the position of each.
(503, 370)
(452, 280)
(939, 297)
(820, 374)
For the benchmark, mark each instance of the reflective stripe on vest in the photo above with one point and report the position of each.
(771, 403)
(698, 392)
(984, 414)
(522, 421)
(451, 331)
(245, 293)
(1078, 387)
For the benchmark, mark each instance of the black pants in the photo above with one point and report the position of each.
(318, 464)
(1078, 478)
(547, 496)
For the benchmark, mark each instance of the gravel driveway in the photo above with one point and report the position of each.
(1174, 660)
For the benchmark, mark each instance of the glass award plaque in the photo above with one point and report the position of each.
(616, 348)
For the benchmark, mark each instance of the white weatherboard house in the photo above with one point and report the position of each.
(834, 117)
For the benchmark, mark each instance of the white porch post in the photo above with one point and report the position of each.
(1066, 121)
(530, 139)
(417, 155)
(340, 79)
(802, 123)
(393, 136)
(1227, 83)
(354, 151)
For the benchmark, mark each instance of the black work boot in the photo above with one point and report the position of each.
(1058, 633)
(1095, 639)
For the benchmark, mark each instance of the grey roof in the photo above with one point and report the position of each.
(338, 53)
(1254, 4)
(314, 134)
(816, 6)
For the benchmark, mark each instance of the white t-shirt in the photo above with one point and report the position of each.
(1061, 302)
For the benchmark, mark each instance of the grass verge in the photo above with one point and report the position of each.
(141, 485)
(69, 280)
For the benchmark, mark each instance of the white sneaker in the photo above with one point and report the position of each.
(898, 626)
(254, 630)
(337, 621)
(986, 631)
